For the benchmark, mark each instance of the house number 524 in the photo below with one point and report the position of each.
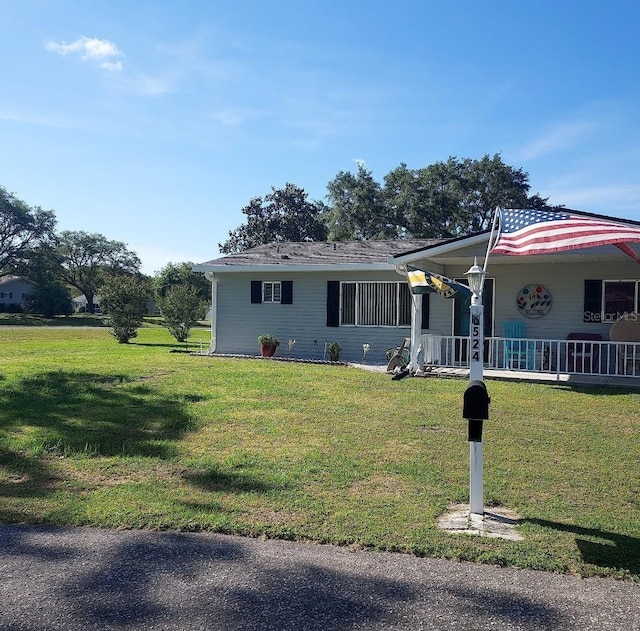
(475, 340)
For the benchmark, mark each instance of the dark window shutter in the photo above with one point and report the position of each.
(256, 291)
(592, 301)
(425, 310)
(333, 303)
(286, 295)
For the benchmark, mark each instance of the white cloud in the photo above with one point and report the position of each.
(28, 117)
(236, 117)
(558, 137)
(154, 86)
(90, 48)
(112, 66)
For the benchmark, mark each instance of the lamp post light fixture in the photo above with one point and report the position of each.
(475, 275)
(476, 400)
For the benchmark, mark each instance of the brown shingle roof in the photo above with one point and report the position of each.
(323, 252)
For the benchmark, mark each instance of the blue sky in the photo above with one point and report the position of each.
(154, 123)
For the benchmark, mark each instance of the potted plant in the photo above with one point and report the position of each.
(268, 344)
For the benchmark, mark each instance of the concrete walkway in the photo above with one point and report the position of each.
(83, 579)
(565, 379)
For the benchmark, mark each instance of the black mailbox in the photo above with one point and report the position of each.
(476, 401)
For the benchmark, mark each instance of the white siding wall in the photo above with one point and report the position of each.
(240, 322)
(18, 289)
(565, 283)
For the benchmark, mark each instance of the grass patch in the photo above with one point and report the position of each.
(133, 436)
(27, 319)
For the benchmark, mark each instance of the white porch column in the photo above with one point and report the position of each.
(416, 331)
(211, 277)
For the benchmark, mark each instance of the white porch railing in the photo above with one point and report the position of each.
(583, 357)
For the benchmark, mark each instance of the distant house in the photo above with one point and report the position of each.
(80, 304)
(13, 291)
(152, 308)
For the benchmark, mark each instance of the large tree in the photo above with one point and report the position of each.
(442, 200)
(22, 230)
(425, 203)
(84, 261)
(357, 209)
(282, 215)
(489, 183)
(178, 274)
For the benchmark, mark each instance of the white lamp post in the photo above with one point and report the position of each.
(475, 277)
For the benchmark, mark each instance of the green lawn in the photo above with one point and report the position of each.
(135, 436)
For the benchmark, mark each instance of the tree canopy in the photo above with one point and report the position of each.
(22, 229)
(443, 200)
(178, 274)
(357, 209)
(282, 215)
(84, 260)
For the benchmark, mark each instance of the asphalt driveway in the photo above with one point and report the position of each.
(85, 579)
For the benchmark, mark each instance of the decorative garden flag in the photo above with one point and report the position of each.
(422, 282)
(523, 232)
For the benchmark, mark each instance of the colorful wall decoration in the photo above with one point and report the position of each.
(534, 301)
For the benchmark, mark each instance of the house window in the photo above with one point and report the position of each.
(278, 292)
(271, 291)
(610, 300)
(619, 298)
(375, 304)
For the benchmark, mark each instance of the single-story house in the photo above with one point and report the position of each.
(356, 294)
(14, 290)
(80, 304)
(314, 293)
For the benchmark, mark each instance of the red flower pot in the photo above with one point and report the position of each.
(267, 350)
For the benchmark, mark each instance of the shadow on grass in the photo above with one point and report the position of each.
(599, 547)
(71, 413)
(595, 389)
(80, 414)
(233, 482)
(24, 477)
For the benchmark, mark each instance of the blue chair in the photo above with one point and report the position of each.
(519, 353)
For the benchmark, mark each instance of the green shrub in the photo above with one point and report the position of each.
(334, 351)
